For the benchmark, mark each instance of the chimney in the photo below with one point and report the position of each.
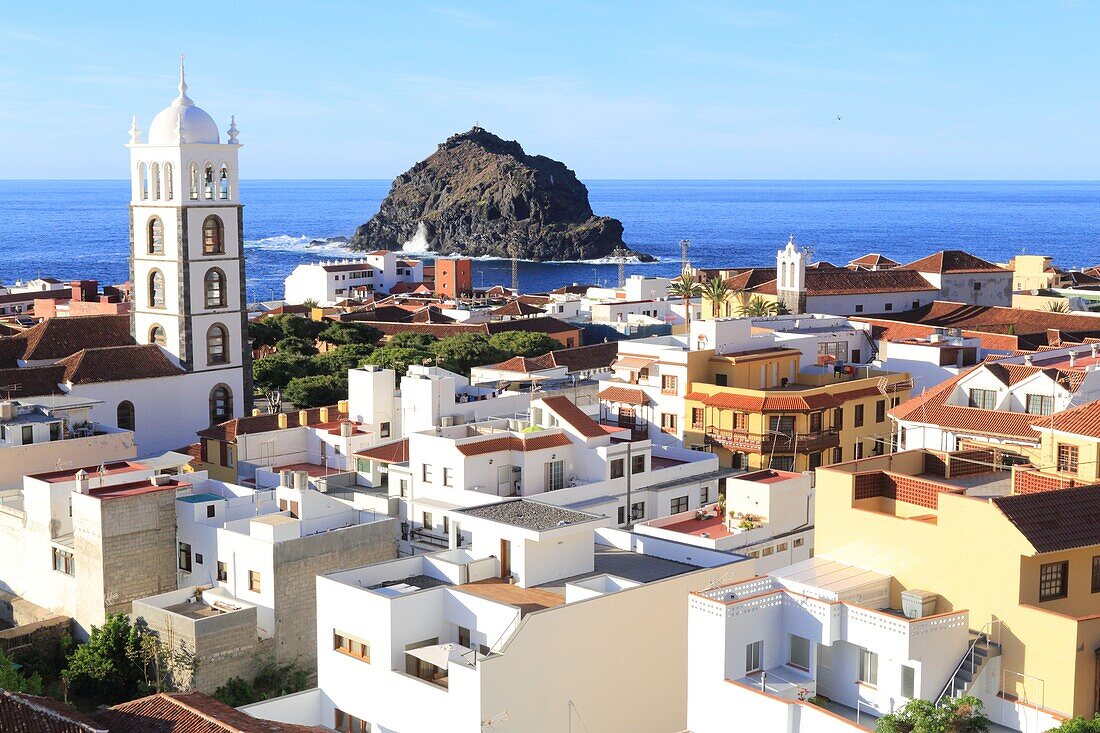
(82, 481)
(324, 414)
(1073, 358)
(301, 480)
(255, 412)
(1095, 350)
(286, 478)
(345, 429)
(342, 406)
(283, 420)
(303, 417)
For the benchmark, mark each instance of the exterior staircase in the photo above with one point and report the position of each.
(980, 650)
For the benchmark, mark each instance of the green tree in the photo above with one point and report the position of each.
(298, 327)
(1078, 725)
(109, 667)
(757, 306)
(349, 333)
(524, 343)
(685, 287)
(265, 332)
(399, 358)
(962, 715)
(462, 351)
(295, 345)
(15, 680)
(316, 391)
(271, 680)
(410, 340)
(275, 371)
(342, 358)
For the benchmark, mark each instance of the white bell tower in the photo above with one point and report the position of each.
(790, 277)
(186, 250)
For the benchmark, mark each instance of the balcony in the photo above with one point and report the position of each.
(638, 431)
(744, 441)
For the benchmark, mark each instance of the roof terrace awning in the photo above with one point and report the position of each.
(442, 654)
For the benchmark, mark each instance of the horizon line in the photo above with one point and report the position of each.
(646, 180)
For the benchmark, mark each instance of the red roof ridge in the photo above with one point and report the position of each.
(574, 416)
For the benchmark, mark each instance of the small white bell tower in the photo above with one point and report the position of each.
(790, 265)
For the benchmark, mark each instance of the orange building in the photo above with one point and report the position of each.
(454, 278)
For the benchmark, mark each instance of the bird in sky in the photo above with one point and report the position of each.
(839, 117)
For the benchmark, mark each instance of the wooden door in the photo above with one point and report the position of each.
(505, 558)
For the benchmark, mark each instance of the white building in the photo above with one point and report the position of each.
(48, 433)
(327, 283)
(540, 624)
(930, 359)
(767, 515)
(963, 278)
(760, 650)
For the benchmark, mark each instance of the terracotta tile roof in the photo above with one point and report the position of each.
(543, 324)
(1083, 420)
(633, 363)
(1053, 521)
(194, 451)
(585, 358)
(534, 299)
(511, 442)
(953, 260)
(56, 338)
(525, 364)
(873, 259)
(931, 408)
(430, 314)
(624, 396)
(772, 402)
(11, 350)
(32, 381)
(574, 416)
(822, 265)
(887, 330)
(118, 364)
(21, 713)
(575, 289)
(230, 429)
(517, 309)
(189, 712)
(751, 278)
(396, 452)
(850, 282)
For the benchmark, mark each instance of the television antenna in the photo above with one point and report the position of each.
(8, 389)
(684, 244)
(620, 255)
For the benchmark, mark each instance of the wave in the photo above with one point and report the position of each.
(320, 246)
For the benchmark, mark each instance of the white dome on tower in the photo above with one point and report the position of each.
(182, 122)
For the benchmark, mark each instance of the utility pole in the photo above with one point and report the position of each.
(515, 269)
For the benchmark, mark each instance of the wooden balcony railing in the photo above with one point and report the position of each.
(739, 440)
(638, 430)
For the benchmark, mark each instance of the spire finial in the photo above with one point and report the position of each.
(183, 98)
(233, 131)
(135, 133)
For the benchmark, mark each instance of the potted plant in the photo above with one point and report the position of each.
(963, 715)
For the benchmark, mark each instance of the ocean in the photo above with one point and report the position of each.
(79, 229)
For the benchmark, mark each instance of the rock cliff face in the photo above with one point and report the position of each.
(478, 195)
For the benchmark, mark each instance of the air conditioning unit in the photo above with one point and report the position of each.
(447, 421)
(918, 603)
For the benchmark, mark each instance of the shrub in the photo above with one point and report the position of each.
(316, 391)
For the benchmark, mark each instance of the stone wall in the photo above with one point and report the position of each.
(297, 565)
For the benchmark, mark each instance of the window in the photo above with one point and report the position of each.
(799, 542)
(254, 581)
(721, 380)
(868, 667)
(857, 450)
(637, 511)
(977, 287)
(223, 572)
(859, 307)
(878, 447)
(221, 404)
(768, 551)
(143, 180)
(194, 187)
(622, 515)
(158, 336)
(668, 384)
(782, 463)
(208, 182)
(154, 174)
(857, 421)
(211, 510)
(347, 723)
(185, 557)
(427, 520)
(889, 306)
(754, 657)
(916, 304)
(679, 504)
(198, 558)
(555, 475)
(64, 561)
(697, 418)
(908, 682)
(800, 652)
(838, 454)
(351, 646)
(27, 435)
(426, 472)
(216, 339)
(1096, 574)
(880, 410)
(384, 430)
(1067, 458)
(448, 476)
(213, 236)
(783, 424)
(1053, 580)
(1038, 404)
(403, 488)
(704, 496)
(815, 460)
(816, 422)
(637, 464)
(836, 349)
(617, 468)
(214, 288)
(124, 415)
(156, 289)
(446, 525)
(168, 181)
(985, 399)
(156, 236)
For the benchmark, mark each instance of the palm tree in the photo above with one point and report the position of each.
(715, 291)
(685, 287)
(1058, 306)
(757, 306)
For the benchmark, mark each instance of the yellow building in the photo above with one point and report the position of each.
(1026, 566)
(759, 410)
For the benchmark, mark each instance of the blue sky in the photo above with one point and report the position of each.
(930, 90)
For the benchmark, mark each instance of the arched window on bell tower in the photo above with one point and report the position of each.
(213, 236)
(217, 343)
(124, 415)
(156, 236)
(158, 336)
(214, 288)
(156, 289)
(221, 404)
(223, 182)
(168, 193)
(208, 182)
(154, 175)
(194, 181)
(143, 181)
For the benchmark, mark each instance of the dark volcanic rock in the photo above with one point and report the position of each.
(478, 195)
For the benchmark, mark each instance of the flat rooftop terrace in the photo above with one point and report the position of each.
(525, 599)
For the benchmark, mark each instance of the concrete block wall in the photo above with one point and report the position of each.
(297, 565)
